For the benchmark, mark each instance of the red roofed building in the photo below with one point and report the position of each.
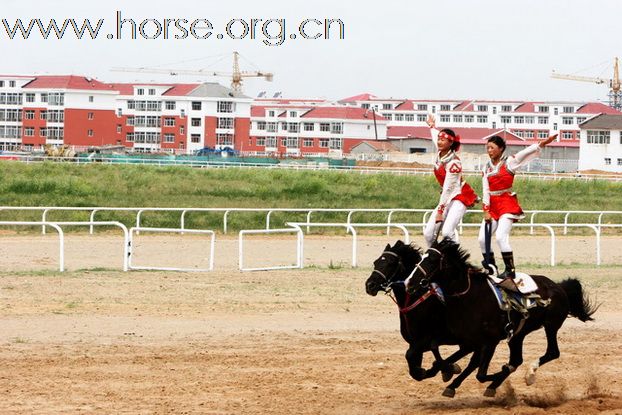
(80, 111)
(298, 130)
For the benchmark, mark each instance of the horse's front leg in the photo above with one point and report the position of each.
(450, 391)
(516, 359)
(414, 357)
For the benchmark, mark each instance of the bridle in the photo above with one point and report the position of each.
(387, 288)
(388, 279)
(424, 282)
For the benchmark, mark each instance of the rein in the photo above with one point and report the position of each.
(403, 310)
(460, 294)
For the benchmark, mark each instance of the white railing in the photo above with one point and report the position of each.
(170, 230)
(299, 256)
(127, 252)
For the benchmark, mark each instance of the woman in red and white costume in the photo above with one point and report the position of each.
(456, 194)
(501, 206)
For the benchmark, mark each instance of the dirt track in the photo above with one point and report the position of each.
(280, 342)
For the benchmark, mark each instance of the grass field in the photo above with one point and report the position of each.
(55, 184)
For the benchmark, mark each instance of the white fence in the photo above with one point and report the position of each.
(350, 225)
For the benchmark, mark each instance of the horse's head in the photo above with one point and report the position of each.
(442, 261)
(393, 265)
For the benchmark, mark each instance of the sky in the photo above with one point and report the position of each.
(441, 49)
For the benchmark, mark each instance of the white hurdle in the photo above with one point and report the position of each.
(299, 245)
(173, 230)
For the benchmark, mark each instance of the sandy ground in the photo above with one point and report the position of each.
(97, 340)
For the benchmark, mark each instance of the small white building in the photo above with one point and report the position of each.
(600, 146)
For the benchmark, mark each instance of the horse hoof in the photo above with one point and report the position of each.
(490, 393)
(457, 369)
(449, 393)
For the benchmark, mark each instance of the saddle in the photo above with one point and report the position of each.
(518, 294)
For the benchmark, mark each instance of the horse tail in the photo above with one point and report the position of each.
(580, 305)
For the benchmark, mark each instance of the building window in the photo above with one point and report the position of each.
(228, 106)
(44, 97)
(225, 122)
(336, 128)
(119, 128)
(293, 114)
(261, 141)
(581, 120)
(151, 91)
(182, 130)
(607, 161)
(29, 115)
(30, 97)
(399, 117)
(556, 111)
(224, 139)
(91, 98)
(335, 143)
(195, 138)
(568, 110)
(421, 117)
(271, 113)
(196, 105)
(89, 116)
(482, 107)
(469, 118)
(422, 107)
(292, 142)
(324, 126)
(89, 133)
(29, 132)
(409, 117)
(43, 115)
(387, 106)
(506, 108)
(445, 118)
(292, 127)
(323, 142)
(519, 119)
(195, 122)
(140, 91)
(445, 107)
(529, 119)
(567, 120)
(494, 110)
(169, 105)
(307, 142)
(619, 162)
(308, 126)
(482, 118)
(169, 138)
(554, 126)
(169, 122)
(567, 135)
(12, 84)
(598, 137)
(528, 134)
(543, 120)
(261, 125)
(271, 142)
(543, 134)
(389, 117)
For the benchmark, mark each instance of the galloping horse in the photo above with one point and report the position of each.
(422, 315)
(475, 318)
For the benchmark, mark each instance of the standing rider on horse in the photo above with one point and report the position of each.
(500, 204)
(456, 194)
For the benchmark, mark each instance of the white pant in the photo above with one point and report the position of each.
(502, 227)
(452, 216)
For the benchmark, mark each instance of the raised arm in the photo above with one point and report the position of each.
(433, 131)
(485, 195)
(526, 155)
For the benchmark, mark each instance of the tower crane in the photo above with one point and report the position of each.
(236, 75)
(615, 92)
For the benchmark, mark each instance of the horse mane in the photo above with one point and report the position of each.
(455, 255)
(410, 253)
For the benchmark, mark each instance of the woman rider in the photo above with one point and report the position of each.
(456, 194)
(500, 203)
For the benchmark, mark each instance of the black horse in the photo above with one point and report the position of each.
(422, 314)
(475, 318)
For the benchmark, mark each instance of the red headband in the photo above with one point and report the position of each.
(443, 134)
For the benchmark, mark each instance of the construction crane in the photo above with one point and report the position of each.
(615, 92)
(236, 75)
